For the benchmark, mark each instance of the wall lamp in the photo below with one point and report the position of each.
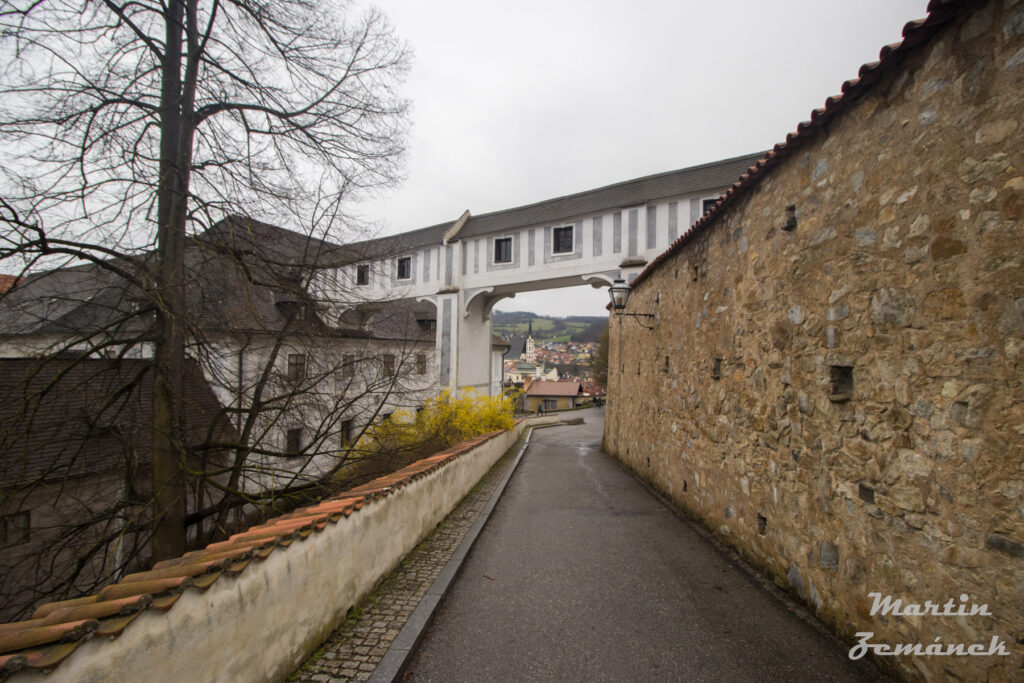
(619, 293)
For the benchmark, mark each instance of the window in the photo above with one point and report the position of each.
(385, 417)
(550, 404)
(294, 441)
(561, 240)
(348, 366)
(404, 268)
(14, 528)
(503, 250)
(389, 364)
(707, 204)
(363, 275)
(345, 432)
(841, 378)
(421, 363)
(296, 367)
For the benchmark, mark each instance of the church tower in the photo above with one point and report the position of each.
(531, 350)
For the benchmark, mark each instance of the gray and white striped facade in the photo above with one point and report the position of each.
(616, 230)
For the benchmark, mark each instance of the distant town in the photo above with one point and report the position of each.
(547, 350)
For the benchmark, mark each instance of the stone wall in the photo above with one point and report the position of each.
(843, 400)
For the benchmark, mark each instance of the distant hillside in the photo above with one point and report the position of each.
(508, 324)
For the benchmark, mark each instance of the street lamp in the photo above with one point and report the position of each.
(619, 294)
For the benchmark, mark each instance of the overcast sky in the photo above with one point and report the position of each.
(514, 103)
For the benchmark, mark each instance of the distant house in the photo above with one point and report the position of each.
(558, 395)
(519, 372)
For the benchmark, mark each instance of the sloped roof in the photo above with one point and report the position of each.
(241, 276)
(915, 33)
(65, 418)
(691, 180)
(694, 179)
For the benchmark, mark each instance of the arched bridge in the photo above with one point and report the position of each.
(465, 266)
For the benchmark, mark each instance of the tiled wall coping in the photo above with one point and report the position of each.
(252, 607)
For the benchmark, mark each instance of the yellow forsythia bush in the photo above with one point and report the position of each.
(444, 421)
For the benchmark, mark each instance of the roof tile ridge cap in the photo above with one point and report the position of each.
(16, 641)
(145, 587)
(43, 610)
(98, 610)
(198, 567)
(939, 13)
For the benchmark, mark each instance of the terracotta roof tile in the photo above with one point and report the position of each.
(99, 609)
(114, 626)
(45, 610)
(13, 641)
(57, 628)
(915, 33)
(148, 587)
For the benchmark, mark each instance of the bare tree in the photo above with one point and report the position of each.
(230, 365)
(129, 126)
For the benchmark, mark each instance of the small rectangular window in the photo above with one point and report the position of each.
(707, 204)
(363, 275)
(421, 363)
(296, 367)
(294, 441)
(348, 366)
(841, 380)
(503, 250)
(551, 404)
(404, 268)
(385, 417)
(389, 364)
(561, 240)
(345, 432)
(15, 528)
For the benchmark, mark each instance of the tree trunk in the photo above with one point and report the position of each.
(168, 292)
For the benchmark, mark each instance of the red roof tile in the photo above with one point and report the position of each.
(57, 628)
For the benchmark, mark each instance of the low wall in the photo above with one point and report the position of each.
(263, 600)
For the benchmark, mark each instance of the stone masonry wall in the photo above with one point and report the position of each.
(843, 402)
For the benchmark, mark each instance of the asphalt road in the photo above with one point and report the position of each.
(582, 575)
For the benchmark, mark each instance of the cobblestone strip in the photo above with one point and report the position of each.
(356, 647)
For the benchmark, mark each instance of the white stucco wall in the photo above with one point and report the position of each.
(260, 625)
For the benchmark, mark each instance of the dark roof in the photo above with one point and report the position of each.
(705, 177)
(498, 342)
(62, 418)
(915, 33)
(517, 346)
(243, 276)
(702, 178)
